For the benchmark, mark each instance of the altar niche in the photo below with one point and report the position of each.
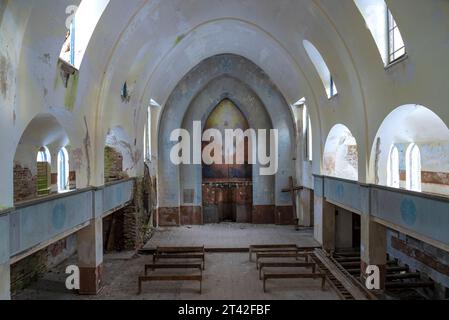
(228, 188)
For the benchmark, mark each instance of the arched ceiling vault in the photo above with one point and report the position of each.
(164, 58)
(152, 44)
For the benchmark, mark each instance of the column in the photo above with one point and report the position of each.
(5, 270)
(373, 248)
(306, 204)
(90, 257)
(324, 223)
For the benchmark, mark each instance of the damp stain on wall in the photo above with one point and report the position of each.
(86, 147)
(179, 39)
(4, 70)
(71, 92)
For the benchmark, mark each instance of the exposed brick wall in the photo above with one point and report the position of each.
(30, 269)
(430, 261)
(127, 229)
(24, 184)
(113, 165)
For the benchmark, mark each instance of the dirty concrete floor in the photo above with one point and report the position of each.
(228, 276)
(231, 235)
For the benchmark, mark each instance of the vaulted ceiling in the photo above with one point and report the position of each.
(152, 44)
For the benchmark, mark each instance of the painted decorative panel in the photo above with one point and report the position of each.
(4, 238)
(32, 225)
(425, 216)
(117, 195)
(319, 187)
(347, 193)
(37, 223)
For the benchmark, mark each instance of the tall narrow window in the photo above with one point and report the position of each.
(384, 29)
(307, 127)
(148, 135)
(41, 156)
(63, 170)
(396, 46)
(43, 171)
(413, 160)
(322, 69)
(81, 22)
(393, 168)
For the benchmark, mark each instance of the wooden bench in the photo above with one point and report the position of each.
(264, 265)
(198, 278)
(268, 276)
(271, 248)
(295, 255)
(178, 253)
(154, 267)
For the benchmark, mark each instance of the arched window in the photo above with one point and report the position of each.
(383, 27)
(63, 170)
(148, 134)
(413, 163)
(80, 23)
(43, 155)
(322, 69)
(307, 126)
(393, 168)
(43, 171)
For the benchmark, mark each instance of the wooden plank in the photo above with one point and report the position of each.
(198, 278)
(408, 285)
(284, 276)
(280, 255)
(403, 276)
(180, 249)
(154, 267)
(347, 283)
(264, 265)
(157, 257)
(253, 248)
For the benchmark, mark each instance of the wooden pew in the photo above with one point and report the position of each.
(264, 265)
(270, 248)
(295, 255)
(268, 276)
(198, 278)
(154, 267)
(178, 253)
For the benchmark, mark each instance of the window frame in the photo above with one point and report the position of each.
(410, 165)
(392, 26)
(394, 174)
(63, 170)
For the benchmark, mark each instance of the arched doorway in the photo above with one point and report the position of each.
(227, 177)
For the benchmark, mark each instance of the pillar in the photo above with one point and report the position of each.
(90, 257)
(5, 270)
(306, 204)
(324, 223)
(373, 248)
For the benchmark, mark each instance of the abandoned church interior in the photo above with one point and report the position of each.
(351, 97)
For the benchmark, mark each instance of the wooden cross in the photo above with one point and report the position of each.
(293, 190)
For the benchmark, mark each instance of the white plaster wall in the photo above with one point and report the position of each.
(152, 45)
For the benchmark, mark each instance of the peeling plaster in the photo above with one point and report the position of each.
(77, 156)
(71, 92)
(86, 147)
(179, 39)
(46, 59)
(4, 70)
